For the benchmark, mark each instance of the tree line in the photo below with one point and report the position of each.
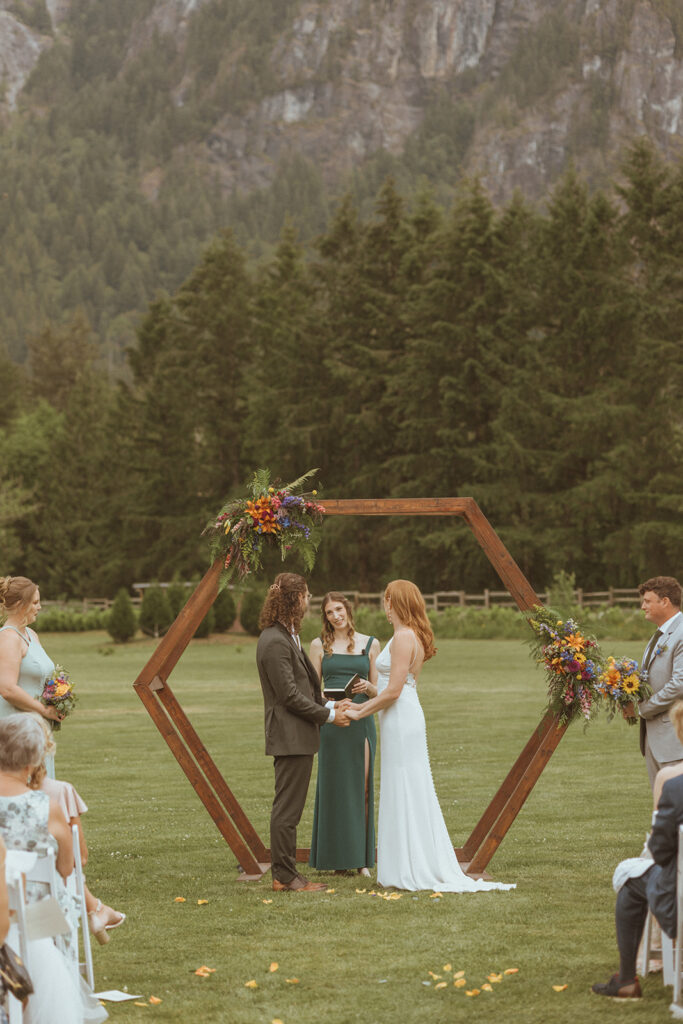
(526, 356)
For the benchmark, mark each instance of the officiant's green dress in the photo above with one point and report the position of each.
(341, 840)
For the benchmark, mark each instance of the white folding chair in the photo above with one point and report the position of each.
(677, 953)
(76, 886)
(17, 862)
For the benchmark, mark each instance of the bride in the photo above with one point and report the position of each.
(414, 850)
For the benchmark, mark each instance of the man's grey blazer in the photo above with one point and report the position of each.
(293, 702)
(665, 676)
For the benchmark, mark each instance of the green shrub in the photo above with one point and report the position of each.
(122, 623)
(250, 610)
(310, 629)
(70, 620)
(177, 594)
(225, 610)
(155, 612)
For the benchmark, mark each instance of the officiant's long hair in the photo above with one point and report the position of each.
(283, 602)
(327, 632)
(409, 605)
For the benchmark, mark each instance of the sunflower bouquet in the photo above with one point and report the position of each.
(620, 684)
(572, 661)
(58, 692)
(281, 516)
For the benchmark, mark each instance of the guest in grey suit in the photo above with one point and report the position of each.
(663, 663)
(294, 711)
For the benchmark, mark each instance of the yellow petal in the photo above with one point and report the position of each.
(459, 974)
(435, 895)
(359, 891)
(251, 984)
(472, 992)
(372, 893)
(292, 981)
(487, 988)
(154, 1000)
(330, 890)
(442, 984)
(266, 901)
(460, 982)
(559, 988)
(495, 978)
(179, 899)
(140, 1004)
(447, 967)
(276, 1020)
(273, 967)
(434, 976)
(511, 970)
(200, 903)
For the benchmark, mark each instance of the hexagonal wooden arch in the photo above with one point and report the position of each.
(211, 788)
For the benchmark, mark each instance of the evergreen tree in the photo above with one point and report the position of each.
(122, 622)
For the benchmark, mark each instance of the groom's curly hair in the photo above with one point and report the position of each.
(283, 603)
(663, 586)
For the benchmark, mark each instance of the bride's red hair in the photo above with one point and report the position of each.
(409, 605)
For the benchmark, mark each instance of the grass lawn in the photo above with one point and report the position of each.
(356, 957)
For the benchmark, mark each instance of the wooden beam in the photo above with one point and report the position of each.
(397, 506)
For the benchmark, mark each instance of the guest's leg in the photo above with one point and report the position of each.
(630, 913)
(292, 775)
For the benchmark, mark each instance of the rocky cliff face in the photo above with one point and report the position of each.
(354, 77)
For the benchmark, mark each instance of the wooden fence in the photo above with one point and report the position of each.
(613, 596)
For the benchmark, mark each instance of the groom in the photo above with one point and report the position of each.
(294, 711)
(663, 663)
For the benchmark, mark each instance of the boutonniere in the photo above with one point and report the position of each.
(660, 648)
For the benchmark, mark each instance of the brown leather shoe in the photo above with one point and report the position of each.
(615, 989)
(298, 884)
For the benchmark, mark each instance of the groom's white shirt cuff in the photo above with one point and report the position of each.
(330, 704)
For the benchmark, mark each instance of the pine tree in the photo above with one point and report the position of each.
(122, 623)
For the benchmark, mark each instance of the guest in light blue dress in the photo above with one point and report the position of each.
(24, 665)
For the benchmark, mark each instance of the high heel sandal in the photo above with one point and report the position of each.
(122, 918)
(97, 925)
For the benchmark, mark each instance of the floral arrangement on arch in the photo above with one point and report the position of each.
(620, 684)
(282, 516)
(573, 663)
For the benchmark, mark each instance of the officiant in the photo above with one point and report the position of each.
(344, 820)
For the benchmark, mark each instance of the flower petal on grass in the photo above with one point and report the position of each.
(559, 988)
(200, 903)
(276, 1020)
(459, 974)
(330, 891)
(486, 987)
(273, 967)
(180, 899)
(472, 992)
(434, 976)
(495, 978)
(511, 970)
(266, 901)
(360, 891)
(140, 1004)
(447, 967)
(292, 981)
(251, 984)
(154, 1000)
(460, 982)
(436, 895)
(442, 984)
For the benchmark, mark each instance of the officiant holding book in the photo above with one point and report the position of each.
(344, 820)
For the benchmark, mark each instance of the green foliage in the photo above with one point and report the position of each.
(155, 612)
(122, 621)
(250, 609)
(68, 620)
(207, 626)
(177, 594)
(225, 610)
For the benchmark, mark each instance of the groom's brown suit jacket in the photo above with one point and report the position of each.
(293, 703)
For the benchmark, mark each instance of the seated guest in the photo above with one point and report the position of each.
(101, 918)
(29, 821)
(649, 884)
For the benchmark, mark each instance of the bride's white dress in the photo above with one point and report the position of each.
(414, 850)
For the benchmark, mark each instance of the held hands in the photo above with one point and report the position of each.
(341, 718)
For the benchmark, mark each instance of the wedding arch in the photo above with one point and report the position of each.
(230, 818)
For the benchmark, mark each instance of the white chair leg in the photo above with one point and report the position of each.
(645, 946)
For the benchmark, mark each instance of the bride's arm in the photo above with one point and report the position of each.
(402, 649)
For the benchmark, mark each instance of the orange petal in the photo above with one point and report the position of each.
(559, 988)
(273, 967)
(495, 978)
(442, 984)
(435, 895)
(434, 976)
(154, 1001)
(472, 992)
(459, 974)
(359, 891)
(292, 981)
(276, 1020)
(460, 982)
(487, 988)
(179, 899)
(448, 967)
(140, 1004)
(200, 903)
(330, 890)
(266, 901)
(251, 984)
(511, 970)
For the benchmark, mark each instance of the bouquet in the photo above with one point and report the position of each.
(270, 515)
(621, 684)
(572, 661)
(58, 692)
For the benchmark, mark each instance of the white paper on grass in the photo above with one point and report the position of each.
(113, 995)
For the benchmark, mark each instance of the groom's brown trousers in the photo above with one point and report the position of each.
(292, 776)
